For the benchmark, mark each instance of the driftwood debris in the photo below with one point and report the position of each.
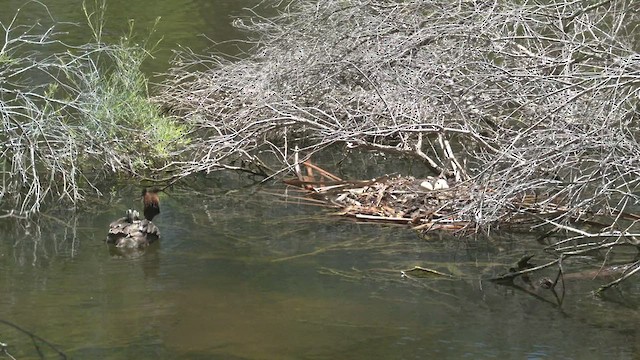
(425, 204)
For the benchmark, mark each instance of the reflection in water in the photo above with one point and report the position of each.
(184, 24)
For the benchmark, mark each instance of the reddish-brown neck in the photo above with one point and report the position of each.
(151, 204)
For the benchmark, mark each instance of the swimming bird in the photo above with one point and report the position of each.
(132, 232)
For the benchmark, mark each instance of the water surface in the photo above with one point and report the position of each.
(239, 274)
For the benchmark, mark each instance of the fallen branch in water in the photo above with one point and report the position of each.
(626, 275)
(421, 272)
(508, 277)
(34, 339)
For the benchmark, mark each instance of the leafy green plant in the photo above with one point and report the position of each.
(70, 117)
(119, 105)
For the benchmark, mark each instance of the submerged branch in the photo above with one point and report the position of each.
(34, 338)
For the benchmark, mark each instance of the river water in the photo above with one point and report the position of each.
(243, 274)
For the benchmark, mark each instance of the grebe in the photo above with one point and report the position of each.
(133, 232)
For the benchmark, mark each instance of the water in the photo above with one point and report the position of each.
(240, 274)
(184, 24)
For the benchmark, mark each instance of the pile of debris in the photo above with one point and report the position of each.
(427, 204)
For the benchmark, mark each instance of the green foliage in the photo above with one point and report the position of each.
(70, 115)
(121, 109)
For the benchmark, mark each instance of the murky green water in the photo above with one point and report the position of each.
(239, 274)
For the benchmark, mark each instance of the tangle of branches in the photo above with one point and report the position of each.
(515, 97)
(522, 100)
